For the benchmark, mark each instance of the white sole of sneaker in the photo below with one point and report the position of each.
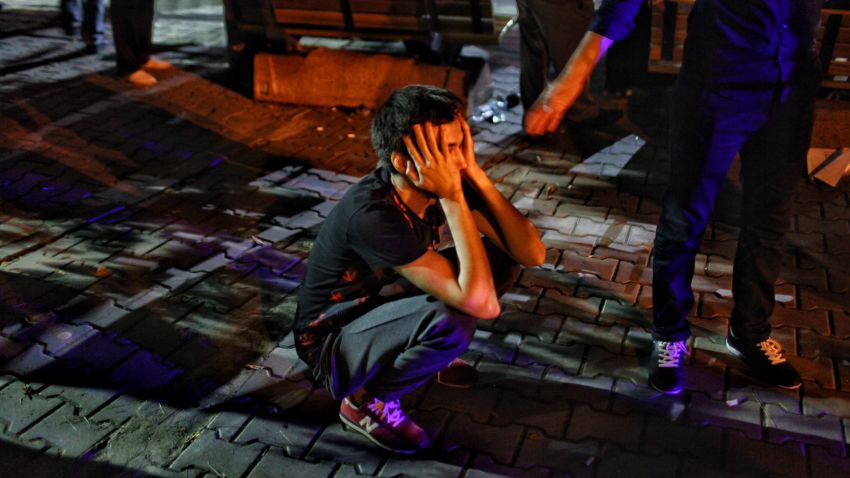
(351, 426)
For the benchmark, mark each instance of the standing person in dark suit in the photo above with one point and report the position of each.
(86, 18)
(132, 31)
(747, 85)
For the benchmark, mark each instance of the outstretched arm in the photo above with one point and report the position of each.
(546, 113)
(612, 22)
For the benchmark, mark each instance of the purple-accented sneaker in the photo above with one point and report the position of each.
(666, 367)
(385, 424)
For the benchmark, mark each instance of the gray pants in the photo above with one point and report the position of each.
(397, 347)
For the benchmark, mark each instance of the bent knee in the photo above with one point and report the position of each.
(452, 325)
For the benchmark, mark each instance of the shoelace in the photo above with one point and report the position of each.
(670, 353)
(772, 350)
(389, 412)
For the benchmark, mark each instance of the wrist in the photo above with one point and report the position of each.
(454, 196)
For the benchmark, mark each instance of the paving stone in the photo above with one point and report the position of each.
(616, 312)
(501, 347)
(28, 362)
(625, 253)
(294, 436)
(152, 432)
(399, 465)
(590, 286)
(218, 456)
(754, 456)
(280, 361)
(744, 416)
(568, 357)
(484, 467)
(524, 299)
(632, 273)
(508, 377)
(10, 348)
(550, 418)
(600, 362)
(815, 225)
(712, 306)
(544, 328)
(819, 370)
(27, 407)
(662, 436)
(816, 320)
(143, 372)
(742, 388)
(559, 236)
(67, 433)
(645, 400)
(827, 465)
(782, 427)
(810, 299)
(811, 345)
(352, 448)
(841, 325)
(562, 456)
(273, 463)
(475, 402)
(84, 400)
(818, 401)
(608, 337)
(555, 302)
(637, 341)
(625, 430)
(602, 268)
(614, 461)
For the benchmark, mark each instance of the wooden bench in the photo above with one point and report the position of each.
(669, 28)
(254, 25)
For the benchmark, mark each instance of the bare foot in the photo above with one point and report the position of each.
(141, 79)
(156, 65)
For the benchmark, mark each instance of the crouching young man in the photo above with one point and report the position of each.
(381, 311)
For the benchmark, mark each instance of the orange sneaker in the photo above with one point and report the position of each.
(156, 65)
(141, 79)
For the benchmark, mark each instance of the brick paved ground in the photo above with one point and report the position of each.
(151, 243)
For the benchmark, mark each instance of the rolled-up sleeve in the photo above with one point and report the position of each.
(614, 19)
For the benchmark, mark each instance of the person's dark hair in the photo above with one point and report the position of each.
(407, 106)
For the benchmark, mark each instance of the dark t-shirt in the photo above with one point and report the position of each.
(367, 234)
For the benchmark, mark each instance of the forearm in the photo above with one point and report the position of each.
(548, 110)
(520, 237)
(590, 50)
(475, 280)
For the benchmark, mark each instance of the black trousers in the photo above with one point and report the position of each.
(132, 30)
(771, 129)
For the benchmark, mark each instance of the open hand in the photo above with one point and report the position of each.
(467, 148)
(432, 167)
(547, 112)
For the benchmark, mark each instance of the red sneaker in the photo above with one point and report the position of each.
(385, 424)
